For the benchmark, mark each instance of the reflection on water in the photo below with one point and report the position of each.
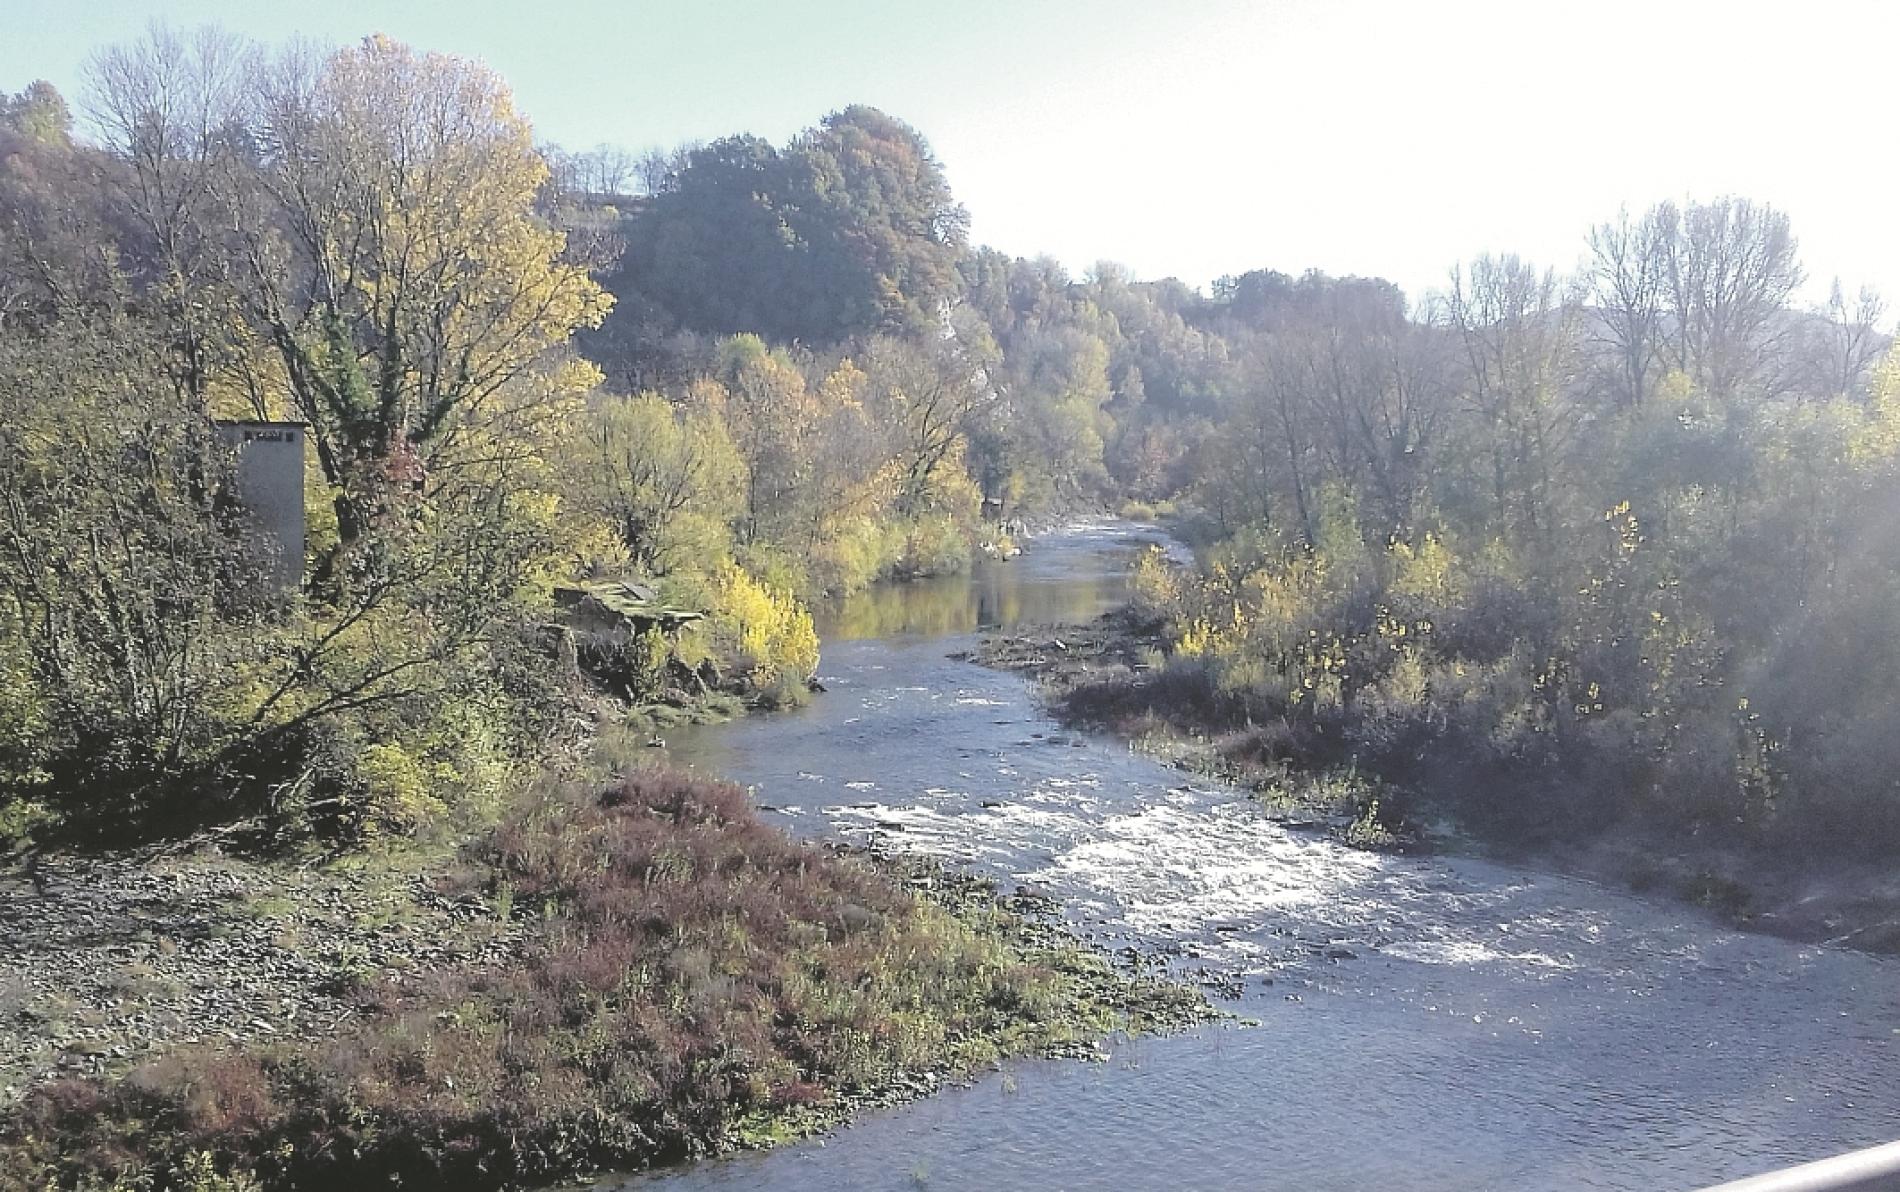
(1052, 586)
(1422, 1023)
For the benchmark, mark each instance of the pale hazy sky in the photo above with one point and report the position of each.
(1199, 137)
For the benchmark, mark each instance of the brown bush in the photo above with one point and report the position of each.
(700, 978)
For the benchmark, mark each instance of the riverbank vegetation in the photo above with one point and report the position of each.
(513, 549)
(771, 375)
(690, 980)
(1621, 531)
(1601, 561)
(368, 244)
(1563, 566)
(1551, 554)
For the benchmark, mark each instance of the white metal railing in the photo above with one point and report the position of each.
(1876, 1168)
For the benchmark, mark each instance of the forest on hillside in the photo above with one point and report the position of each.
(1611, 542)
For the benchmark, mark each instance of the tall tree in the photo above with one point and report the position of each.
(352, 239)
(1732, 268)
(1845, 342)
(714, 252)
(930, 395)
(175, 110)
(870, 198)
(1515, 329)
(58, 231)
(39, 112)
(1628, 276)
(396, 264)
(849, 230)
(667, 478)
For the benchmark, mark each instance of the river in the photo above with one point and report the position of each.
(1441, 1023)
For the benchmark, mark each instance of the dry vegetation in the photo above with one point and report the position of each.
(697, 981)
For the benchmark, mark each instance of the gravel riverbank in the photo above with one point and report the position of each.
(535, 1008)
(106, 960)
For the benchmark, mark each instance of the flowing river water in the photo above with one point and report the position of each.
(1420, 1022)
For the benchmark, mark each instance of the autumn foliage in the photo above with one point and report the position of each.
(696, 980)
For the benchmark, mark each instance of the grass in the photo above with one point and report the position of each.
(648, 720)
(274, 905)
(699, 981)
(1367, 831)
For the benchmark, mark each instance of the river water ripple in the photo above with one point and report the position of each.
(1434, 1023)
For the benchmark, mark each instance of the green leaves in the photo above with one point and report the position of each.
(851, 228)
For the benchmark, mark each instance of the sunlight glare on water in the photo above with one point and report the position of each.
(1421, 1023)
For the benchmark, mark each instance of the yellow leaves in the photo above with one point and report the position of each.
(1676, 389)
(1406, 686)
(1155, 582)
(665, 480)
(844, 387)
(854, 551)
(1548, 675)
(1395, 630)
(533, 515)
(1278, 599)
(250, 381)
(1196, 639)
(401, 789)
(767, 630)
(23, 711)
(950, 489)
(1878, 438)
(1622, 522)
(1427, 572)
(419, 179)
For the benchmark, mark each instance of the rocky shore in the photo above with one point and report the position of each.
(108, 959)
(1084, 669)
